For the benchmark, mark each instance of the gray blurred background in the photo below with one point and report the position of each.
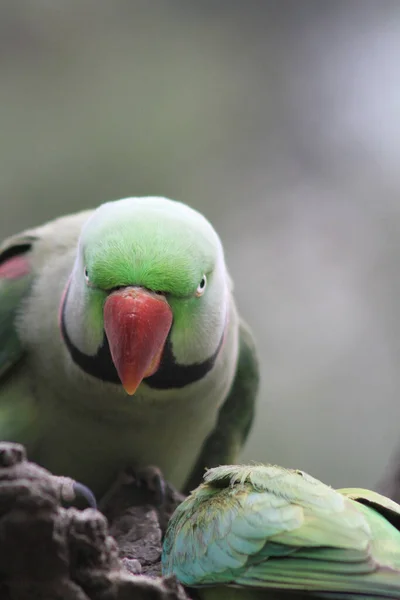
(280, 121)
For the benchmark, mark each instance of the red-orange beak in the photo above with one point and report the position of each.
(136, 322)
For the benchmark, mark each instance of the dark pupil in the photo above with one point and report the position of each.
(202, 283)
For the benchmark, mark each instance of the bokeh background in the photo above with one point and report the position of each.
(280, 121)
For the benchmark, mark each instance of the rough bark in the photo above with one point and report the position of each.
(48, 552)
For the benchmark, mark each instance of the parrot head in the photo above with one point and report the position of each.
(148, 295)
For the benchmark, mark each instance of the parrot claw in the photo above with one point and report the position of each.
(75, 493)
(148, 479)
(82, 491)
(141, 486)
(135, 487)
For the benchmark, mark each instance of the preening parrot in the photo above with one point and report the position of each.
(120, 344)
(261, 531)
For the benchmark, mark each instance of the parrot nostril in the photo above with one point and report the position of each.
(133, 287)
(115, 289)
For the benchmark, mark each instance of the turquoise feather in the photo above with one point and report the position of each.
(248, 531)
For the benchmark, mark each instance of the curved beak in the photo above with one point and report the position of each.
(137, 323)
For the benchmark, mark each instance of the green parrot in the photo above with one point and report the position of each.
(120, 344)
(262, 531)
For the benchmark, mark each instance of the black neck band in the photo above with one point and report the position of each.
(169, 375)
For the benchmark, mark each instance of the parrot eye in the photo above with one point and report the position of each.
(86, 276)
(201, 287)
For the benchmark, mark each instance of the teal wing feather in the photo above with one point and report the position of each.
(381, 504)
(236, 415)
(384, 517)
(269, 528)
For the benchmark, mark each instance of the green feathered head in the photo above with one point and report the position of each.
(149, 285)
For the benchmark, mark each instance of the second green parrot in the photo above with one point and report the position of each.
(253, 532)
(120, 344)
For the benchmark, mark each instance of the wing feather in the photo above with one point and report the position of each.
(277, 529)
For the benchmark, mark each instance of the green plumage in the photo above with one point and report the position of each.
(75, 421)
(144, 243)
(268, 529)
(225, 442)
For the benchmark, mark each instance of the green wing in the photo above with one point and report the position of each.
(384, 506)
(18, 417)
(292, 534)
(236, 415)
(15, 281)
